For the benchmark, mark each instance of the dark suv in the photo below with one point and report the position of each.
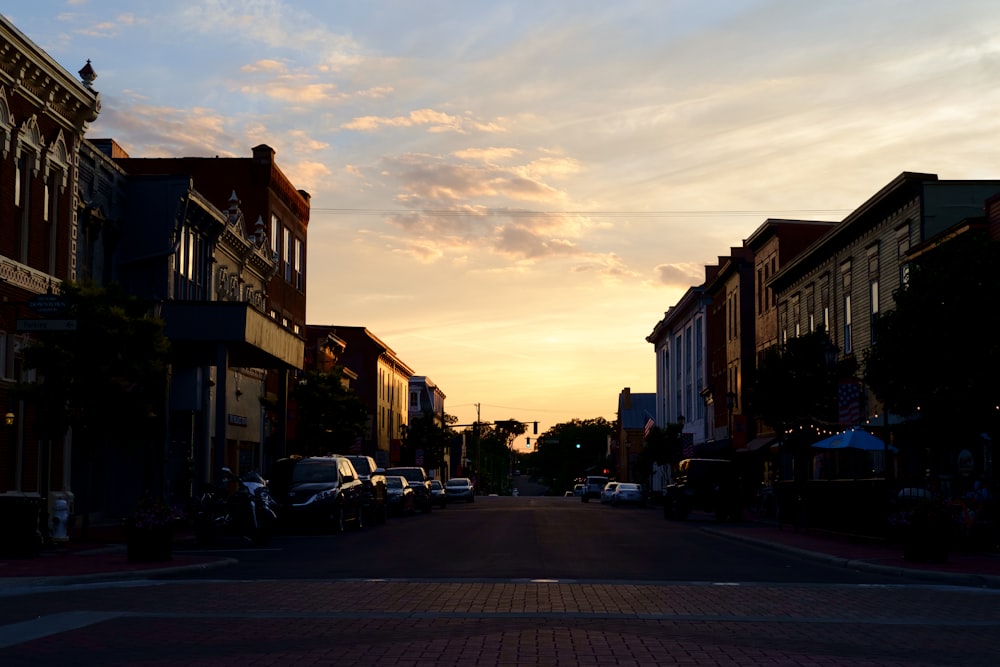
(374, 498)
(421, 483)
(709, 485)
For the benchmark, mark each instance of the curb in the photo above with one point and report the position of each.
(13, 585)
(956, 578)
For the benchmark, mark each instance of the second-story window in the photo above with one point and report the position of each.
(288, 243)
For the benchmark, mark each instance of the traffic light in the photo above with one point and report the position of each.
(578, 445)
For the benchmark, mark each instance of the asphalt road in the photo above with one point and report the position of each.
(529, 537)
(507, 581)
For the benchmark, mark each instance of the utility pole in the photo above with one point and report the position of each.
(479, 451)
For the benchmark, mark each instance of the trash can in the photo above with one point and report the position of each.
(19, 512)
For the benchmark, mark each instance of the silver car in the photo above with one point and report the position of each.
(460, 488)
(627, 493)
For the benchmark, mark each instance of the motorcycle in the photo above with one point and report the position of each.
(249, 512)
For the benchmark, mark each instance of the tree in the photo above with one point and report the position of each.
(938, 351)
(559, 460)
(427, 434)
(329, 415)
(794, 385)
(107, 382)
(663, 446)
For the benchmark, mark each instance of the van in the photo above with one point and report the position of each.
(709, 485)
(592, 487)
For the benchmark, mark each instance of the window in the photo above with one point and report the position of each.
(760, 291)
(873, 294)
(845, 278)
(795, 315)
(300, 263)
(275, 235)
(288, 243)
(414, 399)
(847, 324)
(699, 406)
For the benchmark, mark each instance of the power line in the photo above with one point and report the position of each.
(497, 212)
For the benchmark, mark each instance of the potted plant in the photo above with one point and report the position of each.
(149, 530)
(923, 524)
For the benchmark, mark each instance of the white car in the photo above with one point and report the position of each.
(628, 493)
(607, 492)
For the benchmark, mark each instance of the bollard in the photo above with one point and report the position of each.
(59, 521)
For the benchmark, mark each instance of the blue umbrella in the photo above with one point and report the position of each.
(853, 439)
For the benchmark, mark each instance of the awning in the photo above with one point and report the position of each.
(757, 443)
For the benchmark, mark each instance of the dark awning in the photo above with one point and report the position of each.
(757, 443)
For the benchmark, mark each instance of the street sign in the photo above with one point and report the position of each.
(47, 304)
(46, 325)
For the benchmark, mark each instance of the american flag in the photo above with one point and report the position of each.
(849, 402)
(650, 423)
(687, 445)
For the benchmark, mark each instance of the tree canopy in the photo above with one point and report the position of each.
(109, 376)
(937, 350)
(558, 460)
(329, 415)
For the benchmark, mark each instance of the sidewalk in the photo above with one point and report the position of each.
(103, 557)
(961, 568)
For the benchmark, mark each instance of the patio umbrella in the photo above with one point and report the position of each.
(853, 439)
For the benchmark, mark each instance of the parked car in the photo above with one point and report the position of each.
(399, 494)
(323, 492)
(710, 485)
(373, 478)
(607, 492)
(418, 479)
(437, 493)
(460, 488)
(628, 493)
(592, 487)
(577, 490)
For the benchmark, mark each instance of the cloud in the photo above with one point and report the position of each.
(679, 275)
(489, 155)
(160, 131)
(433, 120)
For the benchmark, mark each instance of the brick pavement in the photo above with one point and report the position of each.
(500, 623)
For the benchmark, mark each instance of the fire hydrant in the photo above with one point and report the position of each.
(60, 520)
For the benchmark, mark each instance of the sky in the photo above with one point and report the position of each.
(511, 194)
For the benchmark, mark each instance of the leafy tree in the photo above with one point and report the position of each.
(109, 375)
(559, 461)
(938, 349)
(794, 385)
(663, 446)
(329, 415)
(107, 382)
(427, 434)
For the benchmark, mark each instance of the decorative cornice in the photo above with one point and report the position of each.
(25, 277)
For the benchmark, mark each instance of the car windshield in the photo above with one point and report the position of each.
(306, 471)
(457, 482)
(394, 482)
(436, 484)
(628, 487)
(361, 464)
(411, 475)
